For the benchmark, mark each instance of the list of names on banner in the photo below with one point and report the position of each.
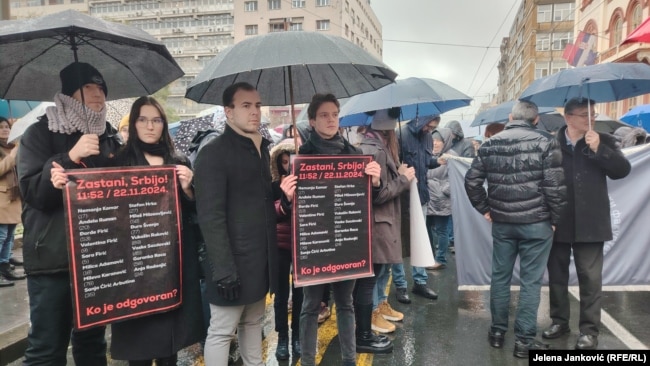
(123, 236)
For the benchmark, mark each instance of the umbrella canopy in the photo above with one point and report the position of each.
(551, 122)
(16, 108)
(290, 67)
(501, 113)
(640, 34)
(416, 96)
(638, 116)
(132, 62)
(601, 82)
(27, 120)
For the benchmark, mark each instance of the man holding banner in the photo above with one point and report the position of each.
(588, 159)
(522, 166)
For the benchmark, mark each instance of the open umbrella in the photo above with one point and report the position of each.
(132, 62)
(415, 96)
(27, 120)
(500, 113)
(16, 108)
(290, 67)
(606, 82)
(638, 116)
(640, 34)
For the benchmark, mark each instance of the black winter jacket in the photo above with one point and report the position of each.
(525, 179)
(45, 247)
(588, 217)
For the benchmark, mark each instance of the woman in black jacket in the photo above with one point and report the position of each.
(160, 336)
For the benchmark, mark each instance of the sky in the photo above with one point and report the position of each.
(432, 39)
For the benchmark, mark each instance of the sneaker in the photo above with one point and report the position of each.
(389, 313)
(381, 325)
(324, 314)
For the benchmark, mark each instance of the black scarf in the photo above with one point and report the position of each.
(333, 146)
(158, 149)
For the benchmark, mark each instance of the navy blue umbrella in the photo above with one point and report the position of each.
(606, 82)
(500, 113)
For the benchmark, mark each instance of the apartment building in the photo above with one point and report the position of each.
(195, 31)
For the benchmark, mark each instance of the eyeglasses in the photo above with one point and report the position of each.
(585, 115)
(145, 120)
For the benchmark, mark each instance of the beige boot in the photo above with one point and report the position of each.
(389, 313)
(381, 325)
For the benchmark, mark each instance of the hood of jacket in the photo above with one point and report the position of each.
(445, 135)
(417, 124)
(276, 151)
(630, 136)
(456, 129)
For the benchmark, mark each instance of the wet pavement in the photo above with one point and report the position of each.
(449, 331)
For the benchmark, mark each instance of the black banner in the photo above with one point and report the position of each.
(124, 235)
(331, 219)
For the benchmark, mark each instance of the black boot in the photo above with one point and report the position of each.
(295, 344)
(367, 340)
(5, 282)
(282, 351)
(8, 273)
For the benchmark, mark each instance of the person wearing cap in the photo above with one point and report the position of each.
(589, 158)
(372, 311)
(416, 150)
(72, 134)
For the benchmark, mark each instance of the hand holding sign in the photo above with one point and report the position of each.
(373, 169)
(58, 176)
(288, 186)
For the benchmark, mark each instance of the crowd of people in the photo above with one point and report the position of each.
(546, 193)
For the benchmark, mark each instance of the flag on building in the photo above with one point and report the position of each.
(583, 51)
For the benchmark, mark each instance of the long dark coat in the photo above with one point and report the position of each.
(162, 335)
(386, 240)
(587, 218)
(236, 214)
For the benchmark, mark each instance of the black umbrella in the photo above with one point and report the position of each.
(33, 51)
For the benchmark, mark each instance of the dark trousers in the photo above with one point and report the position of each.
(281, 298)
(50, 313)
(532, 243)
(588, 259)
(365, 287)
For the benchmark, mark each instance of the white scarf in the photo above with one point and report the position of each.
(69, 116)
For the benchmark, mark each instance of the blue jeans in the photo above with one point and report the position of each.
(532, 243)
(379, 294)
(50, 312)
(420, 276)
(441, 229)
(312, 296)
(451, 228)
(6, 241)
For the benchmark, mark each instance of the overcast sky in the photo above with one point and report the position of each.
(414, 32)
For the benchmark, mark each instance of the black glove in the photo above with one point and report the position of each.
(229, 287)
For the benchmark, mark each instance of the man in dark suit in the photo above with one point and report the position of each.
(588, 159)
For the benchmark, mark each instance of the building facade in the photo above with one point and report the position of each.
(195, 31)
(534, 47)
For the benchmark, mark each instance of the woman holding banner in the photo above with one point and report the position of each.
(160, 336)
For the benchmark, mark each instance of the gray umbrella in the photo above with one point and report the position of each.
(290, 67)
(132, 62)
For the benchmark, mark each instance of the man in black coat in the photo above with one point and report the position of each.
(588, 159)
(527, 194)
(236, 212)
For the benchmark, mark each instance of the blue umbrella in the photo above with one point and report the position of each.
(606, 82)
(416, 96)
(16, 108)
(500, 113)
(638, 116)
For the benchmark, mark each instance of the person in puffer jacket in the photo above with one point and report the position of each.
(439, 206)
(280, 155)
(525, 200)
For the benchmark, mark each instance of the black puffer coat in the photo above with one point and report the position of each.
(588, 217)
(525, 179)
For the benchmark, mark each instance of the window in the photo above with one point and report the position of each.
(544, 13)
(251, 30)
(617, 32)
(563, 12)
(297, 3)
(558, 66)
(347, 30)
(347, 6)
(274, 4)
(250, 6)
(561, 39)
(541, 69)
(323, 24)
(636, 19)
(322, 2)
(543, 42)
(276, 27)
(296, 24)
